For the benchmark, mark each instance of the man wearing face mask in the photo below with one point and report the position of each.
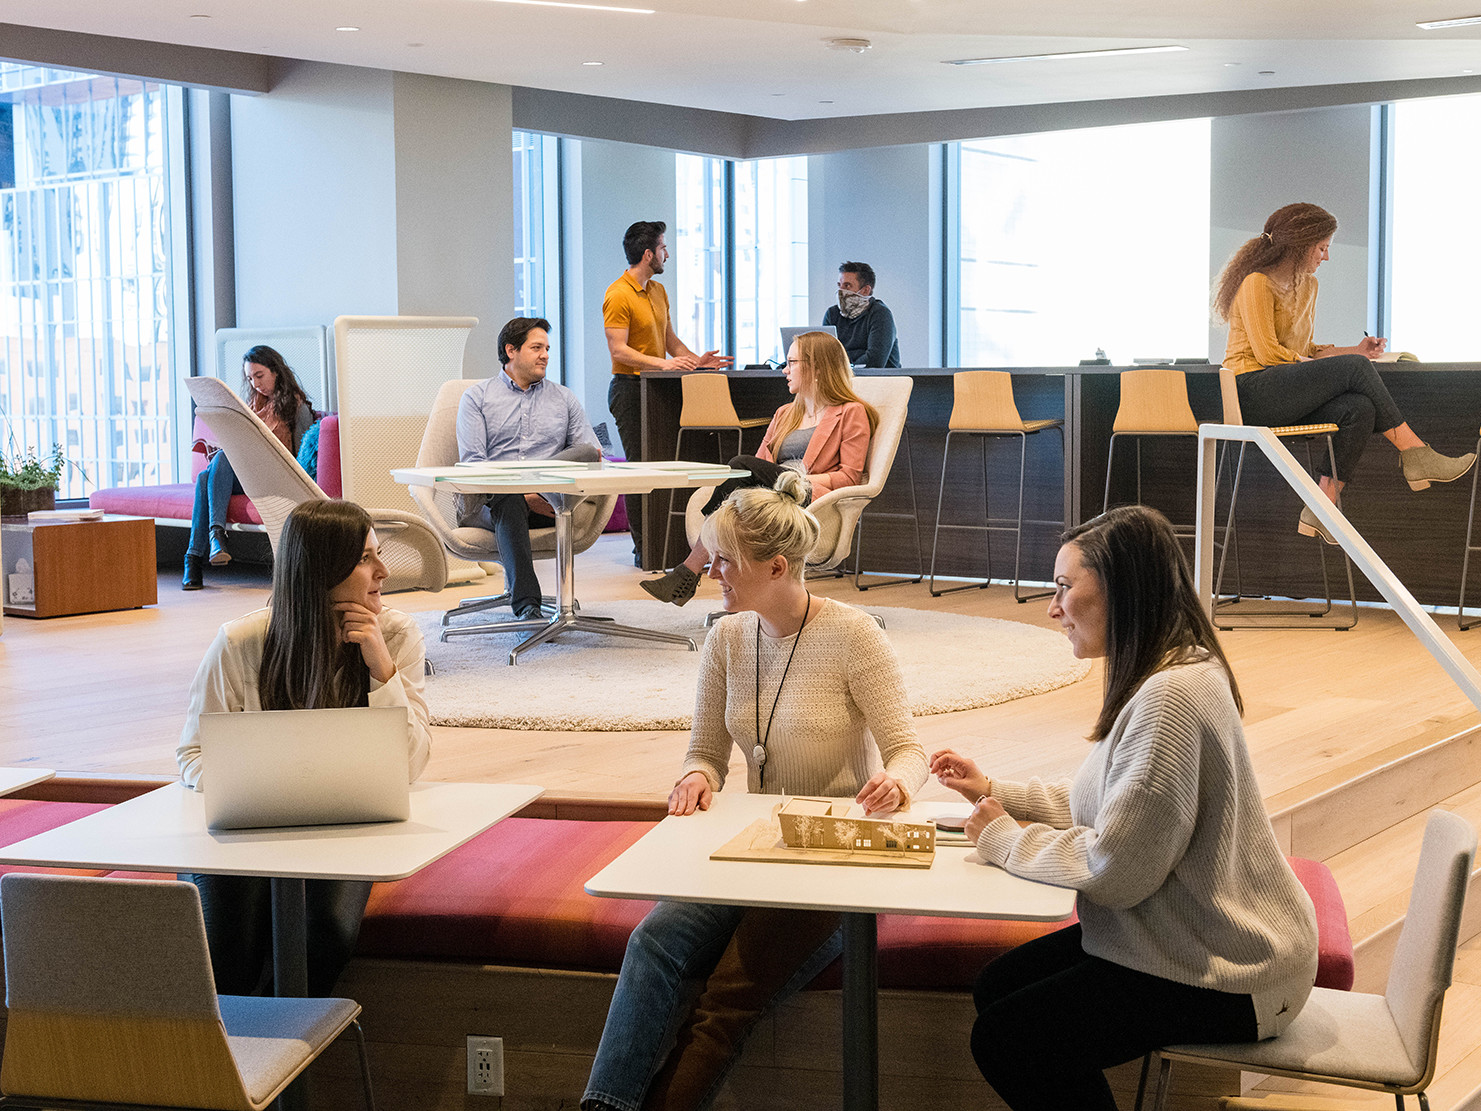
(865, 327)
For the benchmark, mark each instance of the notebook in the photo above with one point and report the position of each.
(304, 767)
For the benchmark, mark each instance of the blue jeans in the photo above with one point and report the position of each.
(684, 942)
(214, 487)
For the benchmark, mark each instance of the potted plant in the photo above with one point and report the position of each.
(26, 483)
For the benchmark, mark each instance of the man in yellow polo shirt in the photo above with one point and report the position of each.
(640, 333)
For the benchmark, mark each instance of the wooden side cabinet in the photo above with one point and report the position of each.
(78, 566)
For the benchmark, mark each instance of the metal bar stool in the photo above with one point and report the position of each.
(1465, 564)
(877, 515)
(983, 406)
(707, 408)
(1305, 433)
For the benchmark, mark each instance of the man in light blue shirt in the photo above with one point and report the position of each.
(519, 415)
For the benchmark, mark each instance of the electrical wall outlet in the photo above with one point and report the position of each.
(485, 1066)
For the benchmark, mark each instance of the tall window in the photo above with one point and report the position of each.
(698, 245)
(537, 227)
(770, 254)
(1075, 241)
(1436, 228)
(87, 273)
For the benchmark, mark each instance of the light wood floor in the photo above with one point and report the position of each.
(106, 693)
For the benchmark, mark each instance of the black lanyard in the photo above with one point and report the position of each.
(759, 752)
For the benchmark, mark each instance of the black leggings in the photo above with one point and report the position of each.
(763, 473)
(1050, 1018)
(1343, 390)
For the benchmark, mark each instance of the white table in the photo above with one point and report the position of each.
(18, 779)
(573, 482)
(672, 861)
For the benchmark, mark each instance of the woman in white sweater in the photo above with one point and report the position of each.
(811, 692)
(1192, 926)
(324, 641)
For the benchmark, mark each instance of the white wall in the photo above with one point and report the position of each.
(877, 206)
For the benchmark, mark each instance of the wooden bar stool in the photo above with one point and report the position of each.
(707, 408)
(1153, 403)
(983, 405)
(1465, 563)
(1305, 433)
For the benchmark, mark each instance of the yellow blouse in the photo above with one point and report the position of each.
(1269, 325)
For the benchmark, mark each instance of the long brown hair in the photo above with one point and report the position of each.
(1153, 615)
(1289, 233)
(827, 375)
(305, 665)
(287, 394)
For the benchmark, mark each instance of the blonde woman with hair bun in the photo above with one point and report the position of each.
(811, 693)
(824, 430)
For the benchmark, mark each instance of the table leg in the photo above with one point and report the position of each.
(860, 1013)
(290, 961)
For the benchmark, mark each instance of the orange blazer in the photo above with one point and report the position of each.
(839, 448)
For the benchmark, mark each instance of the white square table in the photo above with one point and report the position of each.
(672, 861)
(573, 482)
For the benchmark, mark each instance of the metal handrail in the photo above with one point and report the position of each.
(1436, 643)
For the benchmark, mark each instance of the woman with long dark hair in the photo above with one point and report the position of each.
(1192, 927)
(823, 432)
(1267, 293)
(324, 641)
(273, 393)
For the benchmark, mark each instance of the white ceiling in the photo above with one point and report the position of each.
(768, 58)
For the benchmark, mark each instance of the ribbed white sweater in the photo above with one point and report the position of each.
(844, 688)
(1164, 834)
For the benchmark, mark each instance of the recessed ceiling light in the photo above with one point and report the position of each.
(1231, 64)
(415, 44)
(825, 102)
(1069, 54)
(1441, 24)
(1267, 73)
(347, 28)
(853, 46)
(200, 17)
(583, 7)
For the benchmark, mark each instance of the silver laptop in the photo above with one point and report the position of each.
(789, 334)
(304, 767)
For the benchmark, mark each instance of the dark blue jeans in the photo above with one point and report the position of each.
(1051, 1018)
(214, 487)
(1343, 390)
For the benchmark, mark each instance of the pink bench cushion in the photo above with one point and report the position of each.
(22, 818)
(513, 895)
(1334, 964)
(328, 477)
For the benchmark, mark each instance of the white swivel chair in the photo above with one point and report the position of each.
(838, 511)
(439, 448)
(276, 483)
(111, 1000)
(1387, 1042)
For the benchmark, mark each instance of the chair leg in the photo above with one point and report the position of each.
(936, 533)
(1465, 564)
(1164, 1075)
(364, 1066)
(1018, 532)
(1105, 503)
(985, 526)
(1141, 1084)
(914, 517)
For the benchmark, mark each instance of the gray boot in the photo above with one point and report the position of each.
(1423, 465)
(677, 586)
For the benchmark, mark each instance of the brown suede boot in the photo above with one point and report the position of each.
(678, 586)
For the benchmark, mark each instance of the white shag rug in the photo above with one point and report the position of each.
(600, 683)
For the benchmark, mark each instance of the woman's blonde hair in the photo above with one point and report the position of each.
(827, 376)
(1289, 232)
(755, 525)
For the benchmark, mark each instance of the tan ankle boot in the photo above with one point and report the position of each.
(678, 586)
(1423, 465)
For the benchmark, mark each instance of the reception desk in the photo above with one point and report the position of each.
(1419, 535)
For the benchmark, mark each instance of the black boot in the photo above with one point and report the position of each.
(195, 567)
(677, 586)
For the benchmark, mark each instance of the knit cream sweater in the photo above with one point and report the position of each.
(842, 713)
(1163, 832)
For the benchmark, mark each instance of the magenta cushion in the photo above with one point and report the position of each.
(173, 502)
(512, 895)
(22, 818)
(1334, 964)
(328, 478)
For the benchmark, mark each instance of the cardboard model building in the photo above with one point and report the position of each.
(825, 824)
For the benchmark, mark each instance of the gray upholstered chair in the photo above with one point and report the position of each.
(1387, 1042)
(439, 448)
(111, 1001)
(276, 483)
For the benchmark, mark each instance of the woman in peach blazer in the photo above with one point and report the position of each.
(823, 432)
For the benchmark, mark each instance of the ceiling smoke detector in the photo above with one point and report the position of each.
(853, 46)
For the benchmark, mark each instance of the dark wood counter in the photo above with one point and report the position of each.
(1419, 535)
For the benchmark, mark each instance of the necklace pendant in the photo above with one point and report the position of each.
(759, 755)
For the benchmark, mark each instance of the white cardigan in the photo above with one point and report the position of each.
(226, 682)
